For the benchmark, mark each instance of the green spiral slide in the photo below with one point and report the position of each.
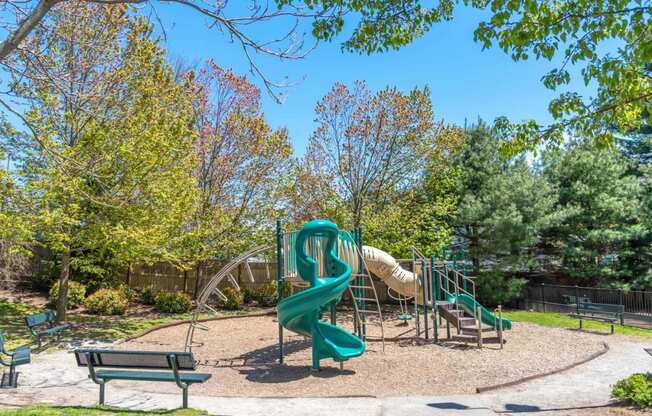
(301, 312)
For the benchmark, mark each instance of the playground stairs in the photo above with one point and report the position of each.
(469, 330)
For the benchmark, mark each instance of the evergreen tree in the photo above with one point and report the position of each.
(504, 205)
(597, 242)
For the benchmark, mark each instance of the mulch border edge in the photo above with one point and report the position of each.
(605, 349)
(188, 321)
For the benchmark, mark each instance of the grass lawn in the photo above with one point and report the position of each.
(92, 411)
(87, 327)
(561, 320)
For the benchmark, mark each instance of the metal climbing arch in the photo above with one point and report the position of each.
(212, 288)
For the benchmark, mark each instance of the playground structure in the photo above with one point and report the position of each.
(438, 288)
(328, 279)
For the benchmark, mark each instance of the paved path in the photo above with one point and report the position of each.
(585, 385)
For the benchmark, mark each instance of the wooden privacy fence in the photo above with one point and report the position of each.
(167, 277)
(560, 298)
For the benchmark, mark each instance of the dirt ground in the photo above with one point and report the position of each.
(242, 355)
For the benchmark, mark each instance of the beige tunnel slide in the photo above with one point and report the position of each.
(383, 266)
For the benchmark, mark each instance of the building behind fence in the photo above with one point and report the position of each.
(560, 298)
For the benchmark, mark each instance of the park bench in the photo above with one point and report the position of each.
(44, 324)
(603, 312)
(106, 365)
(19, 356)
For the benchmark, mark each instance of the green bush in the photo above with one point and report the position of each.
(107, 302)
(173, 302)
(636, 389)
(235, 299)
(267, 294)
(494, 288)
(248, 296)
(76, 294)
(148, 295)
(129, 293)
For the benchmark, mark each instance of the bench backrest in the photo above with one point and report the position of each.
(2, 341)
(39, 318)
(605, 308)
(135, 359)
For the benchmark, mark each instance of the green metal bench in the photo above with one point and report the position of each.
(44, 324)
(106, 365)
(19, 356)
(603, 312)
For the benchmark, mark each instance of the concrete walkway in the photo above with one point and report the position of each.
(54, 379)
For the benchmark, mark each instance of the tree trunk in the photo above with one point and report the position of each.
(63, 285)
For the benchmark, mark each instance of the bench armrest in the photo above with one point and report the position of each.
(172, 360)
(91, 369)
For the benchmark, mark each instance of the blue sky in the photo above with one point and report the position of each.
(466, 82)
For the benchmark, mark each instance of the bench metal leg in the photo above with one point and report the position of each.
(612, 329)
(102, 391)
(9, 380)
(185, 398)
(580, 324)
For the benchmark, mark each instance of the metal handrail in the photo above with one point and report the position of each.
(373, 286)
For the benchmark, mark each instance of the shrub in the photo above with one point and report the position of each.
(76, 294)
(235, 299)
(107, 302)
(129, 293)
(248, 296)
(173, 302)
(148, 295)
(636, 389)
(95, 282)
(267, 294)
(494, 288)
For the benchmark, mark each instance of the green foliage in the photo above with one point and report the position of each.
(504, 207)
(107, 302)
(266, 294)
(235, 299)
(148, 295)
(113, 170)
(494, 288)
(129, 293)
(636, 389)
(601, 200)
(173, 302)
(76, 294)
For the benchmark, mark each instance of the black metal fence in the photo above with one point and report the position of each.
(558, 298)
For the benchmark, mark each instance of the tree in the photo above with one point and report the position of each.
(504, 205)
(602, 199)
(242, 163)
(15, 226)
(113, 177)
(422, 215)
(371, 145)
(310, 193)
